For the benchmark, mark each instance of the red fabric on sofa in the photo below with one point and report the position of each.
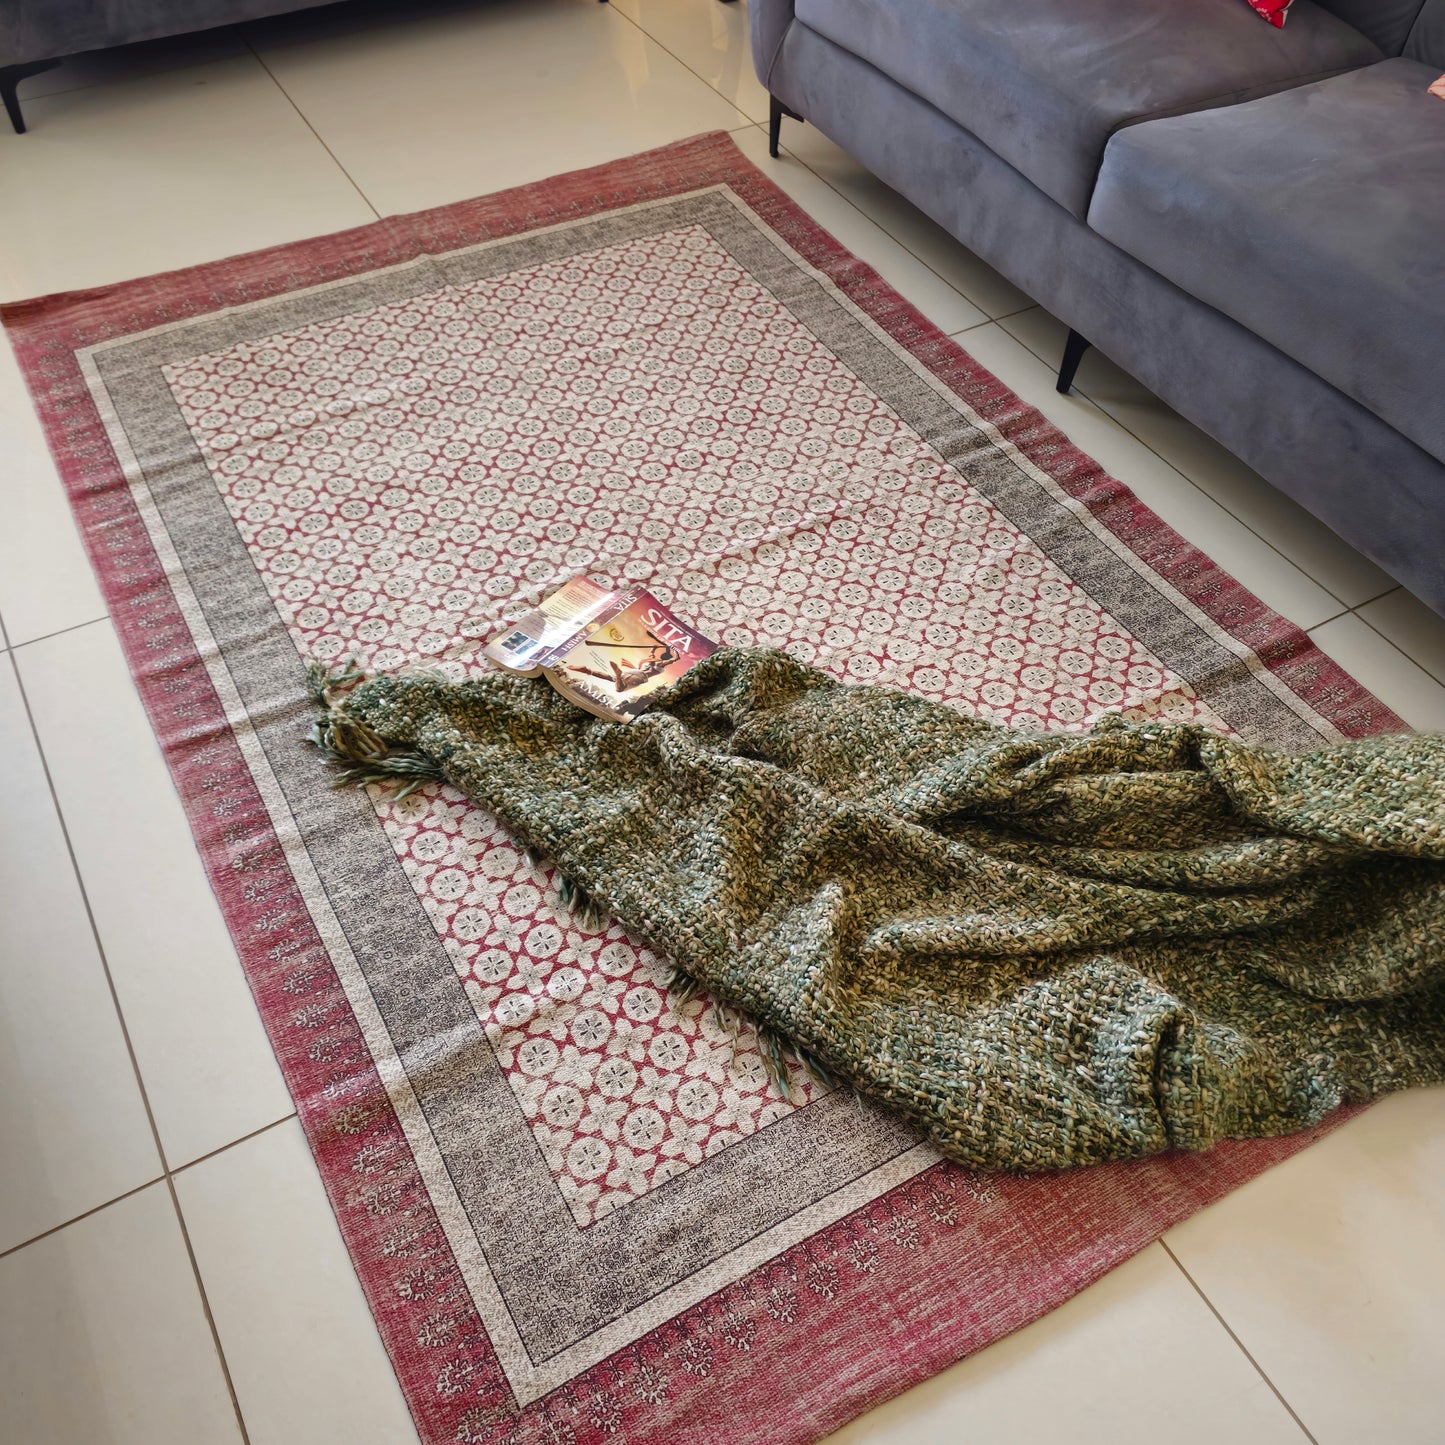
(1274, 11)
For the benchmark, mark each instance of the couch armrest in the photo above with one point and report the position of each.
(769, 21)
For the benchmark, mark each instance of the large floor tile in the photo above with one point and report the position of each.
(208, 1068)
(46, 583)
(1398, 683)
(1138, 1349)
(73, 1127)
(175, 168)
(925, 238)
(1199, 518)
(918, 283)
(1239, 489)
(711, 39)
(103, 1337)
(305, 1358)
(1331, 1270)
(1417, 630)
(436, 102)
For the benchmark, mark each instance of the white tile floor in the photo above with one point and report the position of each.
(169, 1270)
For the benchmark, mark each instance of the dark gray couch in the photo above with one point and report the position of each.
(36, 34)
(1251, 221)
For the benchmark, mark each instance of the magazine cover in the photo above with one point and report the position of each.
(609, 652)
(550, 630)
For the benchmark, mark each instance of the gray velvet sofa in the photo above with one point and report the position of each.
(1249, 220)
(36, 35)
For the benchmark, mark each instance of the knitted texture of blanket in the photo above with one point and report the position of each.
(1043, 949)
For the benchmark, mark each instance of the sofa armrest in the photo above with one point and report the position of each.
(769, 21)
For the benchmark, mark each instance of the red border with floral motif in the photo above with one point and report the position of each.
(868, 1307)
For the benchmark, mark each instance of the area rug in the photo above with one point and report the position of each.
(579, 1211)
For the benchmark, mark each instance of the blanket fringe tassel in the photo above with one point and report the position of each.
(775, 1046)
(366, 758)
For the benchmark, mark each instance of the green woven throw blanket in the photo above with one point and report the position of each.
(1042, 949)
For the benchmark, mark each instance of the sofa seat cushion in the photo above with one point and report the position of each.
(1315, 217)
(1045, 83)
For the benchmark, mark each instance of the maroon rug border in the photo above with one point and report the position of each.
(883, 1299)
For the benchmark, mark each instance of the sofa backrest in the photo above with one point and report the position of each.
(1387, 22)
(1427, 39)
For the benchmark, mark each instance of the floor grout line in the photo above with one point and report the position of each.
(218, 31)
(902, 244)
(146, 1184)
(206, 1308)
(264, 1129)
(1179, 471)
(1356, 611)
(1243, 1348)
(1009, 315)
(1390, 642)
(169, 1173)
(977, 326)
(60, 631)
(1345, 608)
(897, 240)
(76, 1218)
(305, 120)
(125, 1035)
(1398, 587)
(646, 33)
(1333, 617)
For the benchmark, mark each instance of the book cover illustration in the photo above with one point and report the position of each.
(609, 652)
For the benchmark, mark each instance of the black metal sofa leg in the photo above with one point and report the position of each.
(776, 111)
(10, 78)
(1074, 349)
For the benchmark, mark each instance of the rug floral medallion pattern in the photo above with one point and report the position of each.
(580, 1211)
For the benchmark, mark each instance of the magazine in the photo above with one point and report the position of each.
(607, 651)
